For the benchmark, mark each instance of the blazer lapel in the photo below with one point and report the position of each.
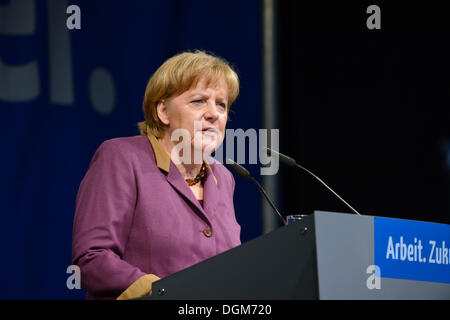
(211, 193)
(175, 178)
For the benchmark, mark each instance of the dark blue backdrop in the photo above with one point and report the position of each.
(84, 86)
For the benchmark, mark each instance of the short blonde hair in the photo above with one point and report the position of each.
(178, 74)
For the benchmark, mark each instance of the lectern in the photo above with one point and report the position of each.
(326, 255)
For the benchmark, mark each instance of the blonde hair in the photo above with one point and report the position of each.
(178, 74)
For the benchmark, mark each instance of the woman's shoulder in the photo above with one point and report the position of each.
(124, 148)
(127, 143)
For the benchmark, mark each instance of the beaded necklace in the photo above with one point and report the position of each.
(198, 177)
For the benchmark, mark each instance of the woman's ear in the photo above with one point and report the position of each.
(162, 111)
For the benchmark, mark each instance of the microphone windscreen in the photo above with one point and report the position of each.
(285, 159)
(238, 168)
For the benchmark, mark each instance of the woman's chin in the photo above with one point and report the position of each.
(207, 148)
(208, 145)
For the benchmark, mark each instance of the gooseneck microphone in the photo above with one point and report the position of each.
(291, 162)
(246, 174)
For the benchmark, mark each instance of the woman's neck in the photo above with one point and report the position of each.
(188, 170)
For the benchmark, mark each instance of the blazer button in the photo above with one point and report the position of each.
(207, 232)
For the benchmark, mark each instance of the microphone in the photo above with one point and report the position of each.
(291, 162)
(246, 174)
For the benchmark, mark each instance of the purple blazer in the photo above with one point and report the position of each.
(136, 215)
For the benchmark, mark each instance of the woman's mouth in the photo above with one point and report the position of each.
(209, 131)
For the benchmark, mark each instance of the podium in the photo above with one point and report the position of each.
(326, 255)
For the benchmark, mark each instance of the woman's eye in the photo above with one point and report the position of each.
(223, 105)
(197, 101)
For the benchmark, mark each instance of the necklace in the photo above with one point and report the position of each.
(198, 177)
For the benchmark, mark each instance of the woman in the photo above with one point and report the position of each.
(154, 204)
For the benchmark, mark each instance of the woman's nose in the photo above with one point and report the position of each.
(211, 110)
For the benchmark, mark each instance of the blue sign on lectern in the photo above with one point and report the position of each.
(412, 250)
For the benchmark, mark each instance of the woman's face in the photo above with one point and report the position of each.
(201, 112)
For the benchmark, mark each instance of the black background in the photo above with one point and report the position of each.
(366, 110)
